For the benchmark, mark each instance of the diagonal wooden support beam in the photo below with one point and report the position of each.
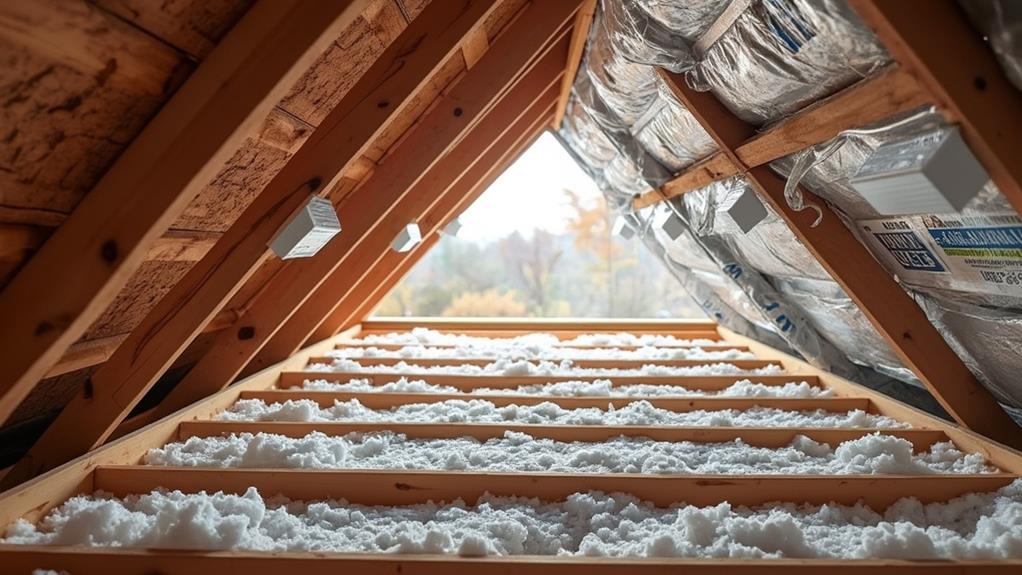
(81, 267)
(457, 174)
(880, 96)
(579, 36)
(364, 298)
(520, 49)
(970, 88)
(891, 311)
(365, 111)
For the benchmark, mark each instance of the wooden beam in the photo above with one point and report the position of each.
(424, 361)
(92, 352)
(891, 311)
(26, 558)
(579, 35)
(971, 88)
(365, 111)
(374, 400)
(364, 298)
(882, 95)
(502, 127)
(408, 165)
(768, 437)
(471, 382)
(512, 327)
(393, 488)
(399, 346)
(68, 283)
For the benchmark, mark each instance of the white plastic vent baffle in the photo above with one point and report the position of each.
(935, 173)
(407, 238)
(312, 226)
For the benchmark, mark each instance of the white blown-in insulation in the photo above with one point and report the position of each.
(543, 352)
(597, 388)
(975, 526)
(870, 454)
(425, 336)
(511, 368)
(480, 411)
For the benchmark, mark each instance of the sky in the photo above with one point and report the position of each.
(527, 196)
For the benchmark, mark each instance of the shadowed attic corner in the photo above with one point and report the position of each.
(837, 194)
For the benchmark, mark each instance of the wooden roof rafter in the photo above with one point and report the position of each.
(340, 139)
(376, 284)
(428, 201)
(531, 35)
(79, 270)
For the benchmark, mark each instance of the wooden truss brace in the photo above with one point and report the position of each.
(364, 298)
(408, 166)
(428, 202)
(365, 111)
(80, 269)
(876, 98)
(891, 311)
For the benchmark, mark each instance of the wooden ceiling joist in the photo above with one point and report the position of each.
(891, 311)
(533, 34)
(119, 468)
(341, 138)
(873, 99)
(77, 273)
(428, 202)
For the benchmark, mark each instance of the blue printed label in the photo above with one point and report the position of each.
(909, 251)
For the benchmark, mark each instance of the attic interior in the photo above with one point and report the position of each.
(205, 200)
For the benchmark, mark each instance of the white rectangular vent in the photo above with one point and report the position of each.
(312, 226)
(935, 173)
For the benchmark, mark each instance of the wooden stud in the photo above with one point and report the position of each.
(971, 89)
(378, 400)
(373, 487)
(368, 107)
(470, 382)
(891, 311)
(399, 346)
(537, 30)
(583, 363)
(26, 558)
(882, 95)
(512, 327)
(579, 36)
(77, 273)
(768, 437)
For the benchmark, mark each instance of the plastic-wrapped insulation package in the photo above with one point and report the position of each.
(963, 268)
(671, 134)
(781, 55)
(783, 266)
(631, 99)
(764, 59)
(1001, 22)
